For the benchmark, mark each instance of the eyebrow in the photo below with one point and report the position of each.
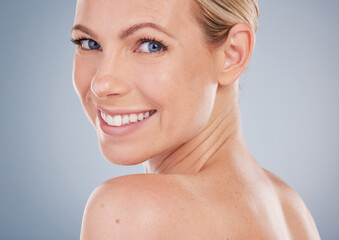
(124, 33)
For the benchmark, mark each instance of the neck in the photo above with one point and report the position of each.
(221, 134)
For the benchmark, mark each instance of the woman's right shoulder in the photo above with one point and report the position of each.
(297, 215)
(129, 206)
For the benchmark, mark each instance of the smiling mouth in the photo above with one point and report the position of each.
(125, 119)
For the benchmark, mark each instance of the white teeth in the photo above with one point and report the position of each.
(109, 119)
(119, 120)
(133, 118)
(125, 120)
(103, 115)
(140, 116)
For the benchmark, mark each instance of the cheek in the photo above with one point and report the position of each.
(170, 81)
(183, 91)
(84, 70)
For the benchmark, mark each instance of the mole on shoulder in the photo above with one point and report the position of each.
(117, 220)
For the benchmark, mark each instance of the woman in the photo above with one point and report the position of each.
(159, 82)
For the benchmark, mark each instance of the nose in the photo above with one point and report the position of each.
(110, 79)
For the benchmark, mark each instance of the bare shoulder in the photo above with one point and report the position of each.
(298, 217)
(139, 206)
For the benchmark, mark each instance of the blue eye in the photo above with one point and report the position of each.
(151, 45)
(87, 44)
(91, 44)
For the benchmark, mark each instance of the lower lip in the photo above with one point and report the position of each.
(121, 130)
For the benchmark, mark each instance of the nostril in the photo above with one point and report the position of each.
(106, 86)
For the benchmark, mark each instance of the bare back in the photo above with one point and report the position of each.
(265, 208)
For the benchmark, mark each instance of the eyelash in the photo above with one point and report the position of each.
(142, 40)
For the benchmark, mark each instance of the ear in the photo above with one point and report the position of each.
(235, 53)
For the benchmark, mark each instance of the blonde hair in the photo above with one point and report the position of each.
(217, 17)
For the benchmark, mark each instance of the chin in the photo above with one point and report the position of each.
(121, 155)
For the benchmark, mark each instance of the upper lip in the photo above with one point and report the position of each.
(121, 111)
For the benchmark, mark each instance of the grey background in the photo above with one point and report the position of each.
(50, 159)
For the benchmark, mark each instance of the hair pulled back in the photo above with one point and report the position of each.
(217, 17)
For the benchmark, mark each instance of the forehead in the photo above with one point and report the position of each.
(113, 15)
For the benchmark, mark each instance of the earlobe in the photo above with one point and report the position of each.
(237, 51)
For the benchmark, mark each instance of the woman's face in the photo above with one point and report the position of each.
(144, 71)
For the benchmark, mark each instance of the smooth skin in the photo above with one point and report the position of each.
(201, 180)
